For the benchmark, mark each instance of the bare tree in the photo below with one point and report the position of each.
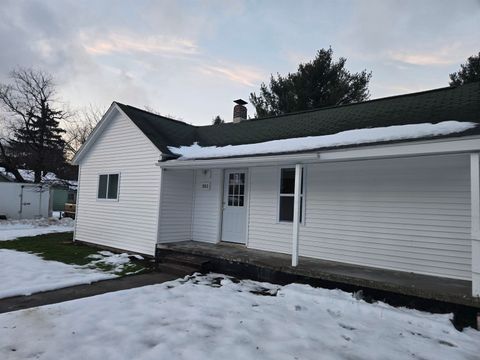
(156, 112)
(35, 138)
(80, 126)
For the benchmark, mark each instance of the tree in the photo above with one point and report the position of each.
(319, 83)
(80, 126)
(217, 120)
(156, 112)
(469, 72)
(35, 141)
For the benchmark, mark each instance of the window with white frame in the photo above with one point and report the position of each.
(108, 186)
(287, 193)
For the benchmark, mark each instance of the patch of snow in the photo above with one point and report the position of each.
(24, 274)
(214, 317)
(12, 229)
(344, 138)
(115, 262)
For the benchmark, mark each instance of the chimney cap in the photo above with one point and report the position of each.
(240, 102)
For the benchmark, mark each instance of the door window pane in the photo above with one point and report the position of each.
(236, 189)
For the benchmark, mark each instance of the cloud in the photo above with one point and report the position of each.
(430, 32)
(133, 43)
(239, 74)
(446, 55)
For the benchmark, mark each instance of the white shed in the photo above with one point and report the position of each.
(24, 200)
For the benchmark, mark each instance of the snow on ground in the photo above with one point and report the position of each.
(115, 262)
(350, 137)
(12, 229)
(213, 317)
(24, 274)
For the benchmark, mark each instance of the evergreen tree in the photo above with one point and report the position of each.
(319, 83)
(36, 141)
(469, 72)
(217, 120)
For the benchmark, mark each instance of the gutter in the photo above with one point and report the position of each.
(407, 149)
(250, 161)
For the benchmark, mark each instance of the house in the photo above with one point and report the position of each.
(391, 183)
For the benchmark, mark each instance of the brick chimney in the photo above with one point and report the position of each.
(239, 111)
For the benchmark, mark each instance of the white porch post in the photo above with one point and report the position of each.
(475, 221)
(296, 213)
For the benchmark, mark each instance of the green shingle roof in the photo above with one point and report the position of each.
(452, 103)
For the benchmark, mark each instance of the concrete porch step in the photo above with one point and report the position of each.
(176, 269)
(173, 257)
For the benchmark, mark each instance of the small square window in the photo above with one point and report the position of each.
(108, 186)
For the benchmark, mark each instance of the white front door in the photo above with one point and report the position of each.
(234, 206)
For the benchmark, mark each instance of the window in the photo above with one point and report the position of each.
(236, 189)
(108, 186)
(287, 193)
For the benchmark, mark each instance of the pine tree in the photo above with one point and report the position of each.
(319, 83)
(36, 142)
(469, 72)
(217, 120)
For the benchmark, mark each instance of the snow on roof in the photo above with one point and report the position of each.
(344, 138)
(48, 178)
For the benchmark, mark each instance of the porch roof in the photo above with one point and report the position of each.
(406, 149)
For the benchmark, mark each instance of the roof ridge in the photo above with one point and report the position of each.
(385, 98)
(152, 113)
(366, 101)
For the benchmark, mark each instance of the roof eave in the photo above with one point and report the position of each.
(409, 148)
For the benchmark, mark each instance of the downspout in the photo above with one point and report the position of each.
(194, 189)
(40, 191)
(296, 213)
(21, 201)
(475, 221)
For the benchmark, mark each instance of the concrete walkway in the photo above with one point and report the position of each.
(82, 291)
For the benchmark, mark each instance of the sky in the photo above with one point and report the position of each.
(191, 59)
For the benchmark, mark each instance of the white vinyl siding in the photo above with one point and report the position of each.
(409, 214)
(176, 203)
(131, 222)
(207, 205)
(265, 232)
